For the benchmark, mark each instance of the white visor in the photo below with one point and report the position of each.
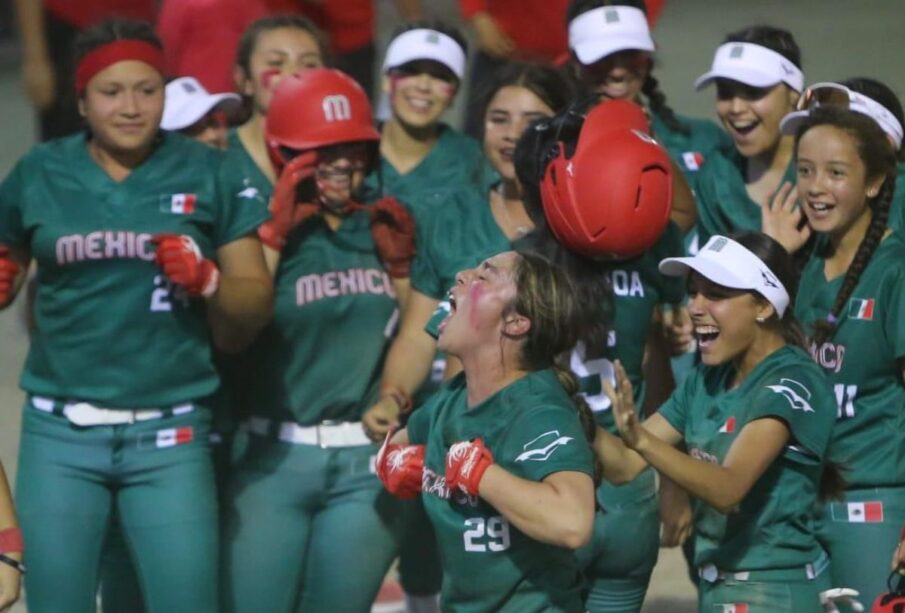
(857, 102)
(752, 65)
(425, 44)
(727, 263)
(187, 102)
(605, 30)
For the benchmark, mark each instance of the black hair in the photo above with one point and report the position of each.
(250, 36)
(878, 156)
(881, 93)
(545, 82)
(112, 30)
(783, 265)
(776, 39)
(656, 99)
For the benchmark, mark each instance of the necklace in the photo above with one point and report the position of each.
(519, 230)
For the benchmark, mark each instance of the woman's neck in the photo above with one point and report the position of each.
(404, 146)
(251, 135)
(766, 343)
(770, 163)
(508, 210)
(488, 370)
(118, 164)
(844, 244)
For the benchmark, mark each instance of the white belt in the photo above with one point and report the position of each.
(341, 434)
(87, 414)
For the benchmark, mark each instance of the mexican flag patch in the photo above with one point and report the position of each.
(175, 436)
(864, 512)
(861, 308)
(178, 204)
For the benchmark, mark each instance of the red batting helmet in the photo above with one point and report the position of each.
(613, 196)
(317, 108)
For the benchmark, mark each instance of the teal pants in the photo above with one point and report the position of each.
(420, 571)
(621, 556)
(306, 529)
(800, 595)
(71, 479)
(862, 551)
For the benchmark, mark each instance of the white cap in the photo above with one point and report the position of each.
(426, 44)
(727, 263)
(857, 102)
(752, 65)
(605, 30)
(187, 102)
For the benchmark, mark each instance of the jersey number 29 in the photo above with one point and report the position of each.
(486, 534)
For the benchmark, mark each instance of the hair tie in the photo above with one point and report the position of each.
(100, 58)
(831, 318)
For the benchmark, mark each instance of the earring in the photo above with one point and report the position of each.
(872, 192)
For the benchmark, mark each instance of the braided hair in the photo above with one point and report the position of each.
(656, 99)
(879, 159)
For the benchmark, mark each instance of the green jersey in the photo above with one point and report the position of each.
(455, 160)
(253, 184)
(638, 287)
(773, 526)
(897, 208)
(110, 328)
(861, 361)
(691, 150)
(532, 429)
(334, 313)
(723, 202)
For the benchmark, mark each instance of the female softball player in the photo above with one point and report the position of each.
(852, 291)
(308, 526)
(758, 78)
(419, 154)
(500, 453)
(119, 368)
(612, 58)
(756, 417)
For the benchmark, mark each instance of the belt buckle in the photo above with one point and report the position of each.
(321, 442)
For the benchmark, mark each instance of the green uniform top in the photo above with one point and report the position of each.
(723, 202)
(897, 208)
(110, 328)
(532, 429)
(690, 151)
(334, 312)
(638, 287)
(238, 163)
(455, 160)
(860, 361)
(773, 526)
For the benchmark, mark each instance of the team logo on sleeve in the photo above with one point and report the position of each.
(178, 204)
(861, 308)
(797, 394)
(693, 160)
(542, 447)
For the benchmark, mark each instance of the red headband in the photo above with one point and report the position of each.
(111, 53)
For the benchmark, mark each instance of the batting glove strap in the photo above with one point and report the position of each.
(466, 463)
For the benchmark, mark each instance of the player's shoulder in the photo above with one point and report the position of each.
(181, 146)
(456, 143)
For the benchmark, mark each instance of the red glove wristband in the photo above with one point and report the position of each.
(466, 463)
(11, 541)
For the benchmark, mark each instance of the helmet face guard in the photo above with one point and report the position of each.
(612, 198)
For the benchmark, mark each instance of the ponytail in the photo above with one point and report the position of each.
(656, 101)
(570, 383)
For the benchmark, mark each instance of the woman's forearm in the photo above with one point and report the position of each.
(239, 310)
(620, 464)
(556, 511)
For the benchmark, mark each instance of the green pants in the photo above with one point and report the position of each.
(861, 551)
(306, 529)
(799, 595)
(621, 556)
(162, 488)
(420, 570)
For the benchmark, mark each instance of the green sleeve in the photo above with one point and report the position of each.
(544, 441)
(800, 398)
(12, 197)
(424, 276)
(238, 216)
(675, 409)
(708, 222)
(418, 424)
(893, 321)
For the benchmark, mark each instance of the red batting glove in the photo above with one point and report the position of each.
(400, 468)
(465, 465)
(393, 229)
(181, 261)
(285, 212)
(9, 270)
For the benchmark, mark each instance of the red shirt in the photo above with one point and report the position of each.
(200, 38)
(85, 13)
